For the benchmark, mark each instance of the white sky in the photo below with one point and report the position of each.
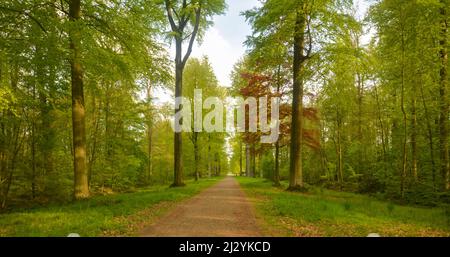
(223, 42)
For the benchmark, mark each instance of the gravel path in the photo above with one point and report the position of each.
(221, 210)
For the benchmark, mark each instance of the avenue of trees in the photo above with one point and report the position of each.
(364, 100)
(366, 97)
(77, 80)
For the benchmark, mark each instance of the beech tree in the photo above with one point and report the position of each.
(199, 75)
(296, 24)
(187, 20)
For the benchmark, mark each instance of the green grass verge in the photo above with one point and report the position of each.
(321, 212)
(113, 215)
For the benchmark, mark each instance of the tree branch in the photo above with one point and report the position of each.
(176, 14)
(194, 34)
(169, 14)
(308, 24)
(308, 53)
(26, 14)
(184, 19)
(187, 36)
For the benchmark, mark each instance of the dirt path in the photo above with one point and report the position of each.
(221, 210)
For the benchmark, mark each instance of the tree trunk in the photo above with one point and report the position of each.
(240, 158)
(108, 133)
(209, 156)
(444, 105)
(253, 161)
(33, 159)
(81, 188)
(295, 169)
(276, 173)
(383, 136)
(46, 145)
(46, 76)
(33, 150)
(216, 164)
(149, 133)
(178, 168)
(339, 151)
(8, 183)
(261, 172)
(414, 136)
(429, 136)
(247, 160)
(196, 157)
(361, 155)
(10, 147)
(405, 135)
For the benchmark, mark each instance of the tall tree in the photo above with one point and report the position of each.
(295, 23)
(194, 16)
(149, 132)
(300, 39)
(443, 91)
(199, 75)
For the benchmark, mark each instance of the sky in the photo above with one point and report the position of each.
(223, 42)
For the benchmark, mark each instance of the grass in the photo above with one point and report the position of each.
(321, 212)
(113, 215)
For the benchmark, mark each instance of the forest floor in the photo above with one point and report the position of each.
(321, 212)
(221, 210)
(227, 207)
(124, 214)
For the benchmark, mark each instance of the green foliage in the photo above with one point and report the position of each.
(120, 51)
(379, 102)
(199, 75)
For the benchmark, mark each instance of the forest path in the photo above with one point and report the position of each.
(221, 210)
